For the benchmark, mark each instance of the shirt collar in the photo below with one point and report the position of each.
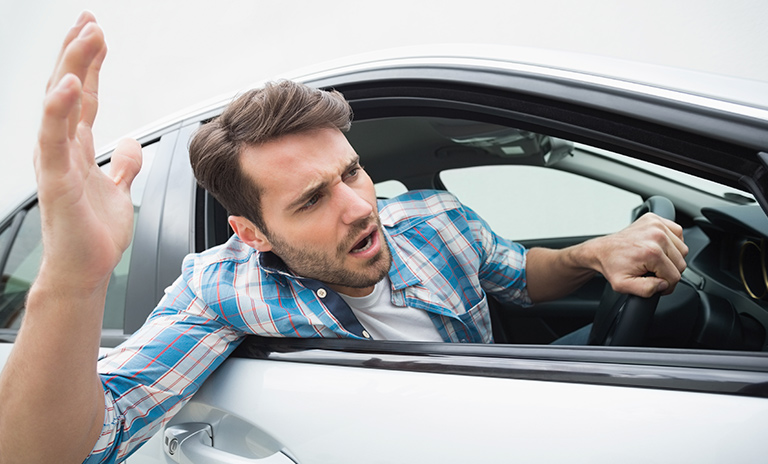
(400, 274)
(275, 267)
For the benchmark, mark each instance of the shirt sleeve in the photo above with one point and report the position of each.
(150, 376)
(502, 268)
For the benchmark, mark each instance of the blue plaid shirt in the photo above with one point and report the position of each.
(444, 260)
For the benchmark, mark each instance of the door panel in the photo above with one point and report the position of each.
(322, 414)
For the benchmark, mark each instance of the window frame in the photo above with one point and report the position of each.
(13, 226)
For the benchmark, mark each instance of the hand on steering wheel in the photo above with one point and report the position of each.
(623, 319)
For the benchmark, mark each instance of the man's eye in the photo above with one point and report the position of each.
(353, 172)
(312, 201)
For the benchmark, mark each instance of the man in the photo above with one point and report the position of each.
(310, 243)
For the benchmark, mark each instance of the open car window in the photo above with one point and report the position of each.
(548, 191)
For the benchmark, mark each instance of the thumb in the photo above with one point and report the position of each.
(645, 286)
(126, 163)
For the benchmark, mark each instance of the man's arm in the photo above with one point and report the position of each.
(650, 245)
(51, 399)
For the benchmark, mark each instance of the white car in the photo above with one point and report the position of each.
(551, 149)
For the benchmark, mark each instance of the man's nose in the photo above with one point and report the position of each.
(353, 206)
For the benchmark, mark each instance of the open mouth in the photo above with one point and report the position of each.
(363, 244)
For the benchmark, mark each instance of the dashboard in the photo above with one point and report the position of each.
(728, 264)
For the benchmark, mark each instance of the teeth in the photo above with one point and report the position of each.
(368, 243)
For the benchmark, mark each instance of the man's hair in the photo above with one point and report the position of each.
(258, 116)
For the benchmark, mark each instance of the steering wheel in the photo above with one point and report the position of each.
(623, 320)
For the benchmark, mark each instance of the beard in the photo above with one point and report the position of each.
(328, 267)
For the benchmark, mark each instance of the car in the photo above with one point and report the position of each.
(551, 149)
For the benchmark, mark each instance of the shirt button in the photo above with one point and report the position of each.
(321, 293)
(366, 334)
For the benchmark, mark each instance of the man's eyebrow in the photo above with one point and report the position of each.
(314, 188)
(310, 192)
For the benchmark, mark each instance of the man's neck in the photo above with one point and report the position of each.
(352, 291)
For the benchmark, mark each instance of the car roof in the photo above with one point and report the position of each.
(720, 92)
(544, 62)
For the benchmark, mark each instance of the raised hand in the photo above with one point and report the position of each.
(87, 216)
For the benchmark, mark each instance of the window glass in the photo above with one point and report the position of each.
(530, 202)
(390, 189)
(25, 253)
(20, 269)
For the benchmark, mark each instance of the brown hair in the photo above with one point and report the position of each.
(258, 116)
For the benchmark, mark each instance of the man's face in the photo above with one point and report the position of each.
(319, 207)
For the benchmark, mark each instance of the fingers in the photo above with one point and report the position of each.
(649, 257)
(677, 253)
(61, 106)
(91, 88)
(84, 18)
(668, 235)
(675, 233)
(646, 281)
(82, 54)
(644, 286)
(126, 163)
(666, 274)
(71, 101)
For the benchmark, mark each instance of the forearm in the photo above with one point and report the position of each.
(51, 397)
(553, 274)
(645, 258)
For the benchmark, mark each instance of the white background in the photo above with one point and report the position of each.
(168, 55)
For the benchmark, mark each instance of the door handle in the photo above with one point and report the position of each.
(192, 443)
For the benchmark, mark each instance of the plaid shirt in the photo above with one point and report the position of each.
(444, 259)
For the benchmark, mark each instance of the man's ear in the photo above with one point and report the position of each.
(249, 233)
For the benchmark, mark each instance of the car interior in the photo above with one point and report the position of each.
(514, 177)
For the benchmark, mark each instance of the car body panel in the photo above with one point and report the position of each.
(324, 414)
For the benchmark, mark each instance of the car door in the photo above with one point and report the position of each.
(395, 403)
(320, 401)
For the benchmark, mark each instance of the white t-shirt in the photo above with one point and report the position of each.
(385, 321)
